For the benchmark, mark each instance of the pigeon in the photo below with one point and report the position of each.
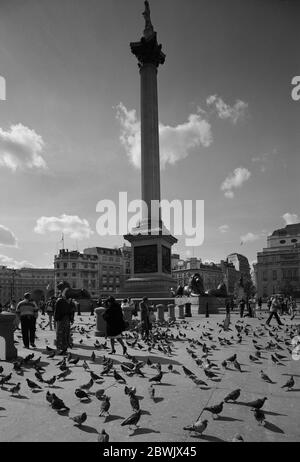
(105, 405)
(129, 390)
(232, 358)
(197, 427)
(100, 394)
(74, 361)
(237, 438)
(79, 419)
(39, 377)
(58, 404)
(132, 420)
(16, 389)
(51, 381)
(259, 416)
(289, 384)
(152, 392)
(252, 358)
(103, 437)
(233, 396)
(187, 371)
(258, 403)
(33, 385)
(81, 394)
(237, 365)
(118, 377)
(93, 356)
(64, 374)
(51, 355)
(215, 410)
(134, 402)
(224, 364)
(88, 385)
(210, 374)
(265, 377)
(95, 376)
(1, 369)
(5, 379)
(49, 397)
(157, 378)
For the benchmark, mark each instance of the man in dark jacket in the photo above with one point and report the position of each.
(115, 324)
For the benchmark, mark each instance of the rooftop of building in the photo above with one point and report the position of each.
(289, 230)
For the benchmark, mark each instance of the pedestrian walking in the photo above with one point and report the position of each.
(275, 306)
(28, 311)
(115, 323)
(145, 318)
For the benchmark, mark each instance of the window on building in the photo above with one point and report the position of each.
(265, 275)
(274, 275)
(57, 265)
(65, 275)
(73, 275)
(65, 265)
(282, 241)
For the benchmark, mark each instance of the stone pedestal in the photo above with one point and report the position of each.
(181, 311)
(100, 322)
(8, 350)
(160, 313)
(171, 309)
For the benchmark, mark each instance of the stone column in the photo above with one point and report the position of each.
(171, 309)
(150, 165)
(188, 311)
(7, 325)
(100, 322)
(160, 313)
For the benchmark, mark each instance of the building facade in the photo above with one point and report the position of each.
(99, 270)
(278, 265)
(241, 265)
(14, 283)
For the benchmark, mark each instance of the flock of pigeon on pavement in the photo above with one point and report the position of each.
(268, 342)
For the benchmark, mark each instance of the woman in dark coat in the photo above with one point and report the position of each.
(115, 324)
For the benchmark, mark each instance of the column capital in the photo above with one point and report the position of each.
(148, 51)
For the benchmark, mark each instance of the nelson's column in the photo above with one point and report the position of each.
(151, 242)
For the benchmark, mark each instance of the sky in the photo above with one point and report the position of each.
(70, 123)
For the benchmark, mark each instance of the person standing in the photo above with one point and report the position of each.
(275, 306)
(115, 323)
(145, 319)
(242, 307)
(28, 311)
(50, 311)
(63, 315)
(259, 303)
(227, 307)
(92, 308)
(77, 304)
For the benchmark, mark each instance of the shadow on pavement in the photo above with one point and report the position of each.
(272, 427)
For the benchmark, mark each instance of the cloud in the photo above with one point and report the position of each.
(7, 237)
(71, 225)
(224, 111)
(175, 142)
(250, 237)
(12, 263)
(290, 218)
(21, 148)
(234, 181)
(223, 228)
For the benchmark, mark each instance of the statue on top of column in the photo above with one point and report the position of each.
(148, 27)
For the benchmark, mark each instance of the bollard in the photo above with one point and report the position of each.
(188, 311)
(181, 311)
(207, 313)
(8, 350)
(100, 322)
(160, 313)
(171, 309)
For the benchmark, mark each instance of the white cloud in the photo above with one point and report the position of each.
(290, 218)
(250, 237)
(175, 142)
(234, 113)
(12, 263)
(7, 237)
(235, 180)
(70, 225)
(223, 228)
(21, 148)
